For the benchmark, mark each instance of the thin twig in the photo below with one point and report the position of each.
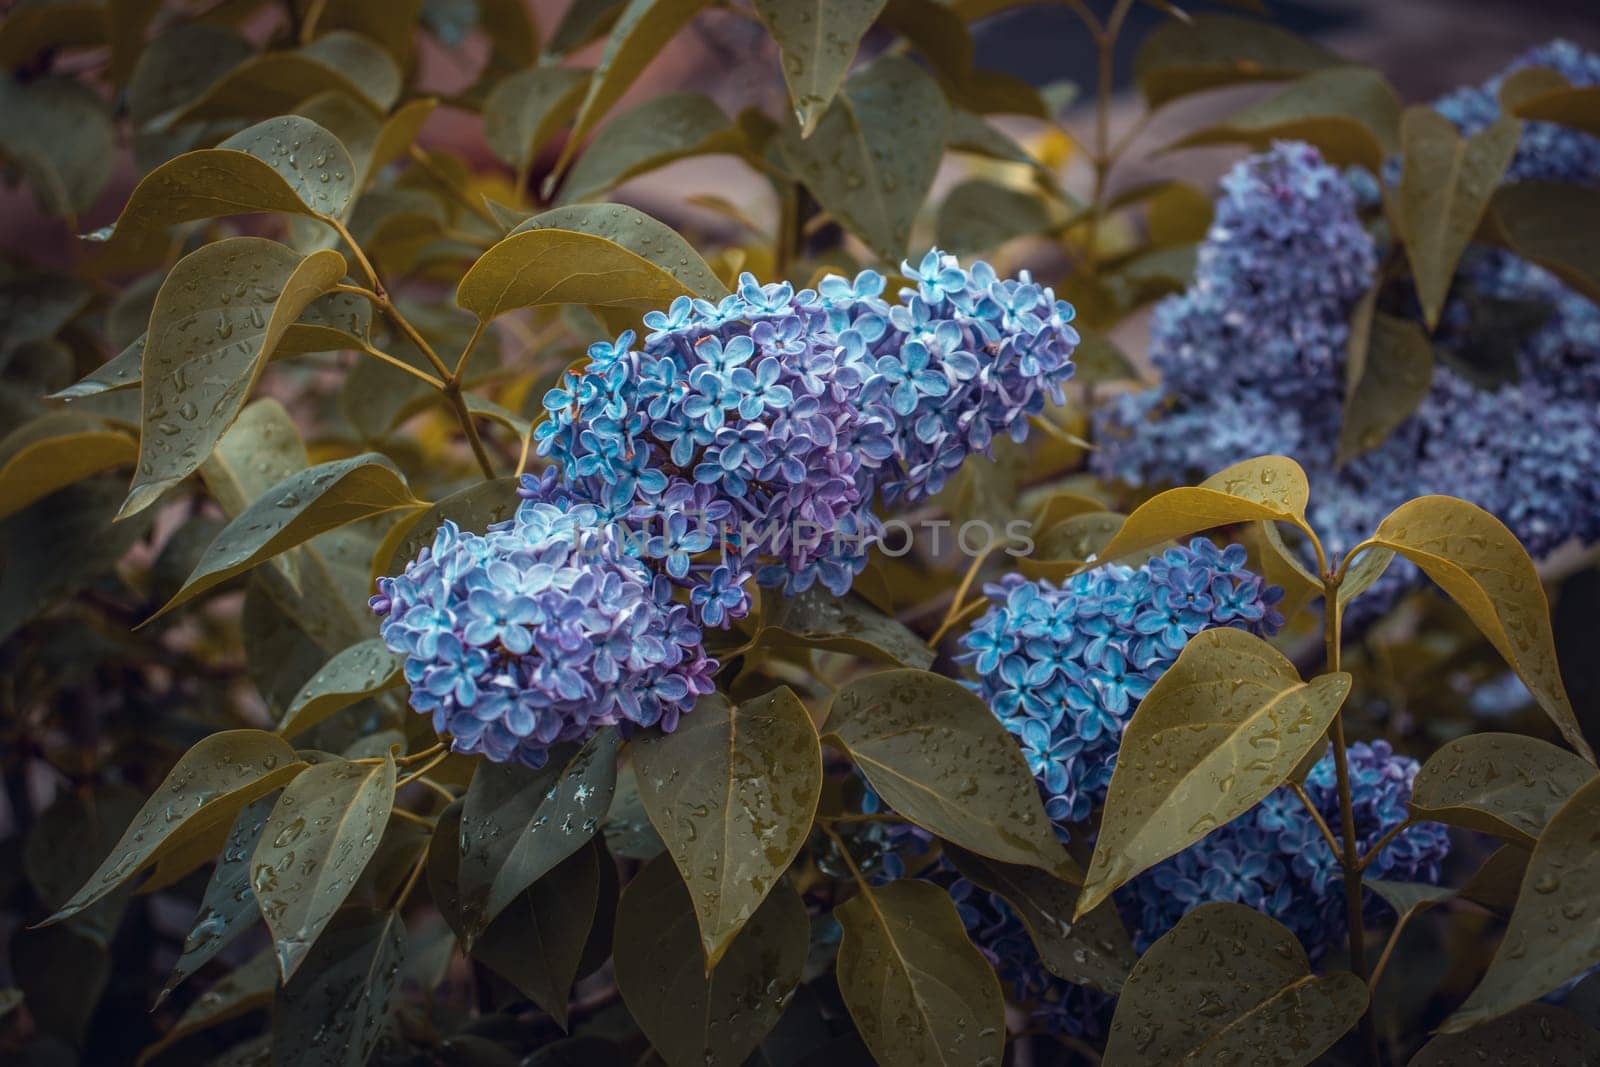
(1322, 824)
(953, 616)
(400, 364)
(429, 167)
(1383, 843)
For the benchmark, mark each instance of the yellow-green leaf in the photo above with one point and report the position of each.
(651, 135)
(1188, 56)
(1535, 1035)
(318, 839)
(1445, 186)
(1388, 371)
(331, 1014)
(29, 29)
(248, 987)
(1552, 935)
(980, 215)
(1222, 728)
(57, 132)
(919, 991)
(273, 83)
(937, 755)
(524, 110)
(219, 315)
(354, 674)
(817, 40)
(207, 787)
(1577, 108)
(732, 791)
(1508, 785)
(818, 619)
(53, 451)
(1487, 572)
(1550, 223)
(1226, 985)
(177, 66)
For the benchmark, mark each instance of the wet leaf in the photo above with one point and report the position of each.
(817, 40)
(1549, 223)
(1444, 190)
(1273, 559)
(1474, 558)
(1211, 51)
(332, 322)
(318, 839)
(641, 30)
(818, 619)
(1363, 571)
(1508, 785)
(979, 215)
(1229, 984)
(651, 135)
(217, 318)
(54, 451)
(332, 1011)
(273, 83)
(249, 987)
(1407, 898)
(1222, 728)
(1349, 114)
(524, 110)
(918, 990)
(1532, 1036)
(474, 509)
(872, 157)
(228, 906)
(1495, 883)
(1095, 951)
(58, 133)
(627, 827)
(354, 674)
(293, 511)
(1552, 935)
(519, 823)
(209, 786)
(732, 791)
(690, 1016)
(1388, 371)
(937, 755)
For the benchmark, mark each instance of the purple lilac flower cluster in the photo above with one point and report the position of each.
(1064, 666)
(779, 415)
(542, 630)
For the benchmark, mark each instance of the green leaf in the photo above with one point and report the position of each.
(1534, 1035)
(331, 1013)
(937, 755)
(30, 29)
(519, 823)
(1099, 359)
(1577, 108)
(1222, 728)
(1408, 897)
(524, 110)
(1094, 952)
(474, 509)
(732, 791)
(1508, 785)
(219, 315)
(651, 135)
(274, 83)
(54, 451)
(333, 322)
(920, 992)
(1350, 114)
(288, 164)
(1548, 223)
(818, 619)
(642, 29)
(63, 846)
(228, 906)
(972, 133)
(207, 788)
(318, 839)
(58, 133)
(351, 676)
(873, 155)
(690, 1015)
(1177, 1008)
(180, 64)
(1445, 186)
(293, 511)
(980, 215)
(817, 40)
(248, 987)
(935, 31)
(1475, 559)
(1552, 934)
(1388, 371)
(583, 21)
(1495, 883)
(631, 262)
(62, 972)
(627, 828)
(1211, 51)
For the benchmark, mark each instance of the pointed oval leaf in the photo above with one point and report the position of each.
(980, 215)
(351, 676)
(872, 157)
(518, 823)
(300, 507)
(1445, 185)
(248, 987)
(207, 787)
(655, 133)
(1552, 935)
(217, 318)
(817, 40)
(331, 1013)
(937, 755)
(1575, 107)
(363, 61)
(690, 1015)
(57, 132)
(180, 64)
(332, 322)
(1535, 1035)
(1388, 372)
(1508, 785)
(1228, 983)
(1094, 952)
(1495, 883)
(273, 83)
(732, 791)
(1487, 572)
(818, 619)
(1365, 569)
(644, 236)
(524, 110)
(54, 451)
(919, 991)
(1188, 56)
(1222, 728)
(1549, 223)
(318, 839)
(475, 509)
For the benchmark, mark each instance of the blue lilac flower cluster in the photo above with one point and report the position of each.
(776, 416)
(542, 630)
(1063, 666)
(1252, 355)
